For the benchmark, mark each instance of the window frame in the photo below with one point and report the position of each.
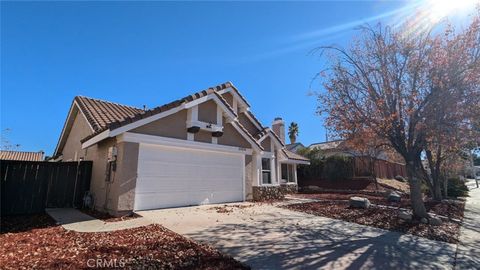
(290, 176)
(269, 171)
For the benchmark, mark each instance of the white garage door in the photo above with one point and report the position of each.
(170, 176)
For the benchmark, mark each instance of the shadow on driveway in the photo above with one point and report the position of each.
(291, 243)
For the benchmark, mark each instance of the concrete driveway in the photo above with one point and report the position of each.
(267, 237)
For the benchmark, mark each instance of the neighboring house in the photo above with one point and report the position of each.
(340, 148)
(294, 147)
(204, 148)
(21, 156)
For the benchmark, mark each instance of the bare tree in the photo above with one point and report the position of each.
(383, 84)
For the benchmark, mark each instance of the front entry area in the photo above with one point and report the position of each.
(171, 176)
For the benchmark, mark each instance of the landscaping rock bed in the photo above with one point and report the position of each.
(381, 217)
(346, 184)
(449, 208)
(35, 242)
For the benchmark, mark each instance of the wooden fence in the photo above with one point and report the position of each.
(383, 169)
(360, 168)
(29, 187)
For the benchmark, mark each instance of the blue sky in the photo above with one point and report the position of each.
(150, 53)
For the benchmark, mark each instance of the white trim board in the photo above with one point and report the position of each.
(150, 139)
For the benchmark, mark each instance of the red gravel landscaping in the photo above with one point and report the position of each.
(351, 184)
(35, 242)
(450, 209)
(384, 218)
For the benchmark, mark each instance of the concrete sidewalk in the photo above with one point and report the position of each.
(74, 220)
(468, 253)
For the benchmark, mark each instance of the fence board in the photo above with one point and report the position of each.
(29, 187)
(311, 174)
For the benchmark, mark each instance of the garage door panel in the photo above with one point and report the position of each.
(170, 177)
(151, 200)
(168, 184)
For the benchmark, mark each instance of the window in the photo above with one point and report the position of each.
(291, 179)
(287, 173)
(266, 172)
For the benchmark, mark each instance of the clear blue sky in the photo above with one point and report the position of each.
(154, 52)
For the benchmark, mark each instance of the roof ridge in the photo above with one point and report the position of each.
(339, 140)
(110, 102)
(22, 151)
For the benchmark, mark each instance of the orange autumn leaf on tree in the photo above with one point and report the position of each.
(407, 91)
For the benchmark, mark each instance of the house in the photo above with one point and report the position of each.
(294, 147)
(205, 148)
(21, 155)
(341, 148)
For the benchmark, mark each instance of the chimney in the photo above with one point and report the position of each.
(278, 126)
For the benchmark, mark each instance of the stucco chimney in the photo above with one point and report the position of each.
(278, 126)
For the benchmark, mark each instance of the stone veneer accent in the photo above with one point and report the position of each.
(267, 193)
(289, 188)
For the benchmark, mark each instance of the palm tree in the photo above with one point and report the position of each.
(293, 132)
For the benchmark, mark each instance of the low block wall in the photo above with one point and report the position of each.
(267, 193)
(289, 189)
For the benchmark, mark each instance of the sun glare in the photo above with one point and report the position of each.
(440, 9)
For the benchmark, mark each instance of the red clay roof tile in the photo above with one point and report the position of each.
(22, 156)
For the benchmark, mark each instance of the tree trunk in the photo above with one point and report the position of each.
(437, 190)
(435, 174)
(445, 186)
(293, 139)
(416, 197)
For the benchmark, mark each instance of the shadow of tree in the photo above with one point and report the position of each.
(15, 224)
(321, 243)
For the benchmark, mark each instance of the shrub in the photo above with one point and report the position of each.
(456, 188)
(338, 168)
(315, 169)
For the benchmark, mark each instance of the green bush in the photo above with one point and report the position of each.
(456, 188)
(315, 169)
(338, 168)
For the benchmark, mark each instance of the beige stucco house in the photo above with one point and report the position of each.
(204, 148)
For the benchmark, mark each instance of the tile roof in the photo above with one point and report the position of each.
(291, 155)
(140, 114)
(22, 156)
(132, 114)
(104, 115)
(327, 145)
(293, 146)
(100, 114)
